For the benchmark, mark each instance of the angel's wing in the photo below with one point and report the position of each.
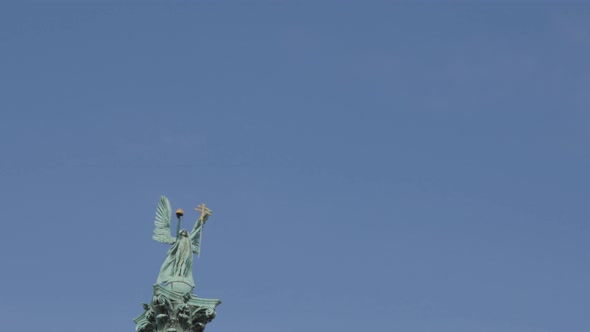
(162, 222)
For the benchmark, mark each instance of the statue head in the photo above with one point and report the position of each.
(184, 233)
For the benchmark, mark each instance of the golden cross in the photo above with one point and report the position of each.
(203, 209)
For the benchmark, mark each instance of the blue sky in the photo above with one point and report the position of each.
(378, 166)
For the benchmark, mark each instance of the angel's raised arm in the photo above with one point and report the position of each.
(199, 225)
(197, 232)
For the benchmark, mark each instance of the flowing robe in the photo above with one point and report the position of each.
(178, 265)
(179, 262)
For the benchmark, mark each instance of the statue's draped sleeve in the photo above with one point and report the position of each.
(195, 234)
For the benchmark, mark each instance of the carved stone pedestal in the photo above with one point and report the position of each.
(173, 311)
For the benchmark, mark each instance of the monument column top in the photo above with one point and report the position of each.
(173, 307)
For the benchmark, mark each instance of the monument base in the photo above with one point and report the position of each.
(175, 311)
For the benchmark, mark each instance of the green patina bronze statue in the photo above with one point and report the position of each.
(177, 272)
(174, 308)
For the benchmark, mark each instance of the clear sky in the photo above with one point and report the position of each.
(371, 165)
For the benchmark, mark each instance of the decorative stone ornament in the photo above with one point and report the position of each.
(172, 311)
(173, 307)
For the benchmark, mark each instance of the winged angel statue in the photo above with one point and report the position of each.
(178, 264)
